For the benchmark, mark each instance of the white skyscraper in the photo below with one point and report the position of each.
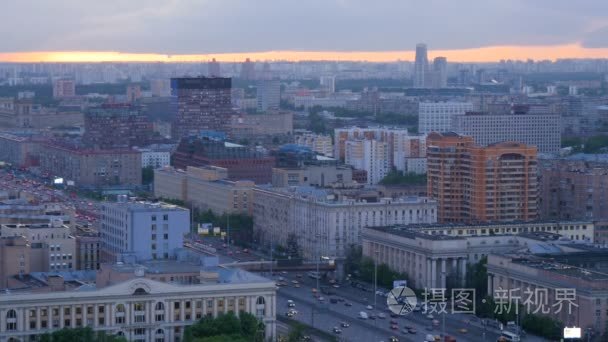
(421, 67)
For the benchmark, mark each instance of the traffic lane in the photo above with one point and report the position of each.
(326, 320)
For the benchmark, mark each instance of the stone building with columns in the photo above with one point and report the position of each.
(436, 260)
(140, 309)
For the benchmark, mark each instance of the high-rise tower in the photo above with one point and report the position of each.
(421, 67)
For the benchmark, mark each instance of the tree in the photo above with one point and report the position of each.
(296, 334)
(147, 175)
(226, 327)
(293, 248)
(396, 177)
(80, 334)
(544, 326)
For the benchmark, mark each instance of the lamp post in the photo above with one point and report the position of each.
(443, 311)
(376, 252)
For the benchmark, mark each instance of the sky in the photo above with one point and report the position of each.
(148, 30)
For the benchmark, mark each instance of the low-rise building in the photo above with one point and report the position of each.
(312, 175)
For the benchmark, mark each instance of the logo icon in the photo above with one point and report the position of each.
(401, 300)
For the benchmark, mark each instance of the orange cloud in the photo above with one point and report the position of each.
(484, 54)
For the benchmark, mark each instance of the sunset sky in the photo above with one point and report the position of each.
(231, 30)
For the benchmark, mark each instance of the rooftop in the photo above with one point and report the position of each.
(145, 206)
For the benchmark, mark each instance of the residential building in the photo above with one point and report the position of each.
(542, 130)
(328, 83)
(268, 94)
(20, 151)
(64, 88)
(138, 309)
(481, 184)
(369, 155)
(328, 222)
(200, 104)
(91, 168)
(213, 68)
(439, 76)
(15, 254)
(574, 187)
(116, 126)
(133, 93)
(243, 125)
(146, 230)
(319, 143)
(156, 155)
(88, 246)
(421, 67)
(160, 87)
(57, 247)
(242, 163)
(248, 70)
(437, 116)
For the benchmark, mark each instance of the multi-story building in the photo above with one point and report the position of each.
(200, 104)
(326, 222)
(481, 184)
(156, 155)
(436, 256)
(421, 67)
(64, 88)
(369, 155)
(213, 68)
(312, 175)
(20, 151)
(91, 168)
(439, 76)
(244, 125)
(15, 254)
(536, 129)
(116, 126)
(268, 94)
(243, 163)
(160, 87)
(146, 230)
(133, 93)
(57, 245)
(88, 248)
(319, 143)
(580, 276)
(328, 83)
(248, 70)
(437, 116)
(138, 309)
(574, 187)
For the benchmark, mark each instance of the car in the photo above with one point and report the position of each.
(333, 300)
(336, 330)
(394, 327)
(393, 339)
(291, 304)
(435, 323)
(393, 315)
(369, 307)
(295, 282)
(297, 286)
(348, 304)
(382, 315)
(408, 326)
(392, 321)
(283, 272)
(412, 331)
(245, 250)
(463, 331)
(372, 316)
(344, 325)
(336, 286)
(321, 299)
(430, 316)
(289, 314)
(298, 275)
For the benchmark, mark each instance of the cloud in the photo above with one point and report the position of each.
(216, 26)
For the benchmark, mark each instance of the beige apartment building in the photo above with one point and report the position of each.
(205, 188)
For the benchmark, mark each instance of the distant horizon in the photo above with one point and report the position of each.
(490, 54)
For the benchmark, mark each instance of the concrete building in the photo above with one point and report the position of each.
(421, 67)
(436, 256)
(244, 125)
(242, 163)
(57, 245)
(328, 83)
(160, 87)
(319, 143)
(542, 130)
(268, 94)
(20, 151)
(133, 93)
(15, 254)
(64, 88)
(146, 230)
(439, 75)
(213, 68)
(481, 184)
(574, 187)
(326, 222)
(248, 70)
(582, 275)
(200, 104)
(116, 126)
(91, 168)
(138, 309)
(312, 175)
(156, 156)
(369, 155)
(88, 248)
(437, 116)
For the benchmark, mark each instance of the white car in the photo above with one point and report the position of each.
(369, 307)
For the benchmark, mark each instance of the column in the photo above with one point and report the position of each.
(225, 305)
(73, 316)
(38, 319)
(95, 316)
(170, 311)
(433, 272)
(214, 307)
(107, 309)
(84, 315)
(428, 283)
(463, 270)
(248, 304)
(61, 318)
(454, 270)
(182, 310)
(443, 273)
(204, 307)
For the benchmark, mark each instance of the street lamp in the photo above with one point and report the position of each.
(376, 252)
(443, 311)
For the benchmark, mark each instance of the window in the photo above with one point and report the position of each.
(159, 306)
(11, 320)
(260, 307)
(153, 217)
(166, 236)
(165, 217)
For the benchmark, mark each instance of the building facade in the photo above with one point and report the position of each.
(116, 126)
(312, 175)
(64, 88)
(146, 230)
(319, 143)
(268, 94)
(437, 116)
(369, 155)
(481, 184)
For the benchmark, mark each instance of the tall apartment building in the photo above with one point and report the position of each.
(542, 130)
(205, 188)
(116, 126)
(328, 83)
(268, 94)
(56, 244)
(439, 75)
(200, 104)
(319, 143)
(575, 187)
(369, 155)
(64, 88)
(160, 87)
(91, 168)
(328, 223)
(481, 184)
(437, 116)
(146, 230)
(133, 93)
(421, 67)
(213, 68)
(243, 163)
(248, 70)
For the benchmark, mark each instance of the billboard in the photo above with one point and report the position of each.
(572, 332)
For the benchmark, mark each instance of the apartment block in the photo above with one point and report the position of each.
(319, 143)
(437, 116)
(369, 155)
(116, 126)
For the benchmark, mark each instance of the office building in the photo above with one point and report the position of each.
(542, 130)
(319, 143)
(156, 155)
(243, 125)
(268, 94)
(369, 155)
(15, 254)
(312, 175)
(574, 187)
(63, 88)
(328, 222)
(242, 163)
(200, 104)
(421, 67)
(116, 126)
(439, 76)
(213, 68)
(133, 93)
(248, 70)
(138, 309)
(437, 116)
(88, 248)
(481, 184)
(91, 168)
